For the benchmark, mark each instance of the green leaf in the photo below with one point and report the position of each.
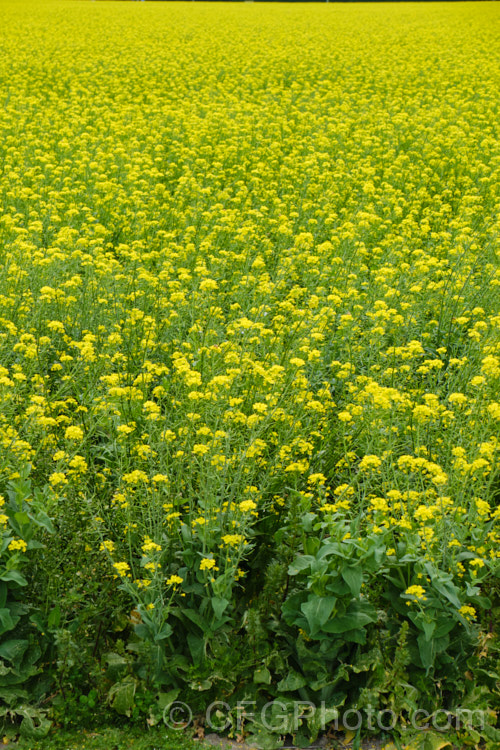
(143, 631)
(196, 646)
(15, 576)
(346, 622)
(428, 741)
(54, 617)
(22, 517)
(165, 632)
(448, 590)
(338, 586)
(332, 548)
(301, 563)
(311, 543)
(262, 676)
(35, 726)
(196, 618)
(219, 606)
(34, 544)
(353, 576)
(165, 699)
(13, 650)
(444, 627)
(42, 519)
(491, 733)
(317, 610)
(3, 594)
(428, 628)
(426, 651)
(11, 695)
(121, 696)
(292, 604)
(293, 681)
(116, 664)
(6, 621)
(323, 716)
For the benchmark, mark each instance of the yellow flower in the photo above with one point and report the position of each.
(58, 477)
(200, 449)
(417, 592)
(468, 612)
(369, 462)
(207, 563)
(78, 464)
(150, 546)
(125, 429)
(18, 544)
(232, 540)
(107, 546)
(73, 433)
(247, 505)
(160, 478)
(174, 580)
(135, 477)
(345, 416)
(122, 568)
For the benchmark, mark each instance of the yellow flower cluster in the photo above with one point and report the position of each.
(18, 545)
(233, 279)
(417, 592)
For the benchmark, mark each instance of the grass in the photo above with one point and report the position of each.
(123, 738)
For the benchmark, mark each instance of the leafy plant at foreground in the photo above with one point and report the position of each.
(21, 647)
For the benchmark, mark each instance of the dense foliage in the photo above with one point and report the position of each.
(250, 360)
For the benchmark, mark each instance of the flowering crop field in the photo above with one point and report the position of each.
(250, 357)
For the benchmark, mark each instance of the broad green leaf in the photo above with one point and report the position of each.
(165, 632)
(54, 617)
(444, 627)
(121, 696)
(196, 645)
(428, 628)
(311, 543)
(426, 651)
(13, 650)
(35, 726)
(317, 610)
(196, 618)
(347, 622)
(322, 717)
(165, 699)
(219, 606)
(14, 576)
(353, 576)
(262, 675)
(6, 621)
(448, 590)
(143, 631)
(42, 519)
(3, 593)
(428, 741)
(299, 564)
(293, 681)
(11, 695)
(116, 665)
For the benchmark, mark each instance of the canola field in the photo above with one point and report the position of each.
(250, 332)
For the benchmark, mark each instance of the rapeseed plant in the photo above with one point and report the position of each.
(238, 289)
